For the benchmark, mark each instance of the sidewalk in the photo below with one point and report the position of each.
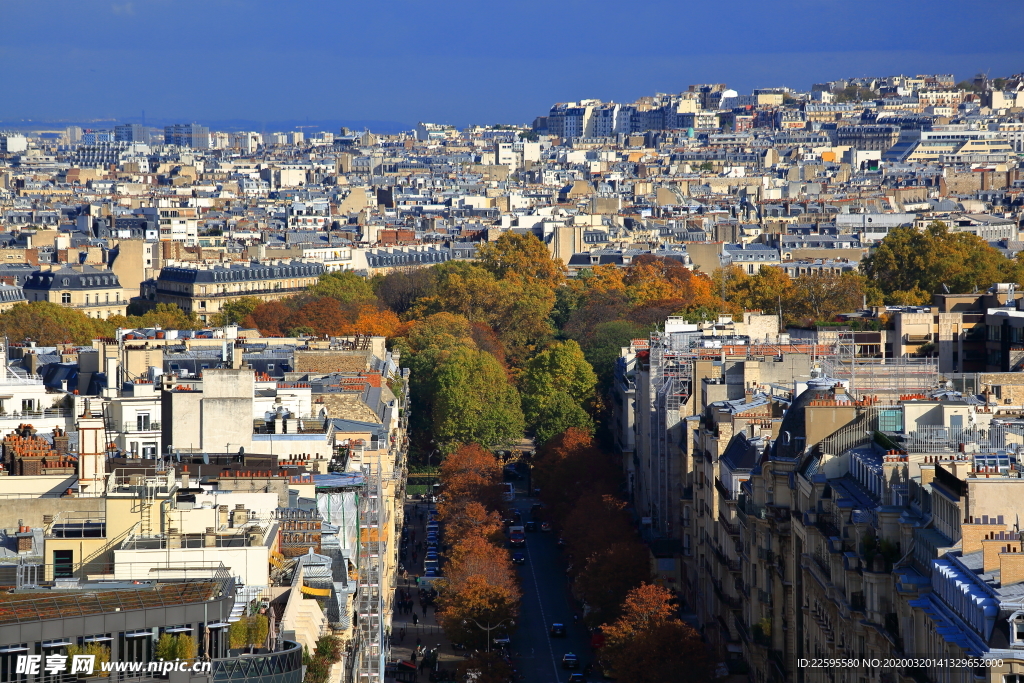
(427, 630)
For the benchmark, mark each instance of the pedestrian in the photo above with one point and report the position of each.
(401, 635)
(414, 656)
(418, 641)
(415, 619)
(424, 607)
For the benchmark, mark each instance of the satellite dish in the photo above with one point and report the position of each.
(206, 458)
(945, 288)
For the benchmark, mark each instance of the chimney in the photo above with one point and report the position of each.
(239, 516)
(222, 512)
(973, 534)
(991, 548)
(210, 538)
(1011, 565)
(185, 480)
(173, 538)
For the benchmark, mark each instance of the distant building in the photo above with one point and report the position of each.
(187, 135)
(94, 291)
(204, 290)
(131, 132)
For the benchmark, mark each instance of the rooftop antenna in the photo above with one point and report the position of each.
(945, 288)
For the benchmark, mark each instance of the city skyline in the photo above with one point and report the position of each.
(457, 63)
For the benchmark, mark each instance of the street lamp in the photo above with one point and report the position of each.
(489, 628)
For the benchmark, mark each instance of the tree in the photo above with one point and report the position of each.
(270, 318)
(821, 296)
(516, 309)
(480, 585)
(568, 467)
(470, 475)
(249, 631)
(651, 278)
(670, 651)
(165, 316)
(99, 652)
(561, 412)
(372, 320)
(471, 519)
(473, 401)
(604, 345)
(179, 646)
(608, 575)
(485, 667)
(521, 256)
(560, 371)
(49, 324)
(646, 644)
(909, 264)
(344, 286)
(324, 314)
(400, 290)
(234, 312)
(439, 331)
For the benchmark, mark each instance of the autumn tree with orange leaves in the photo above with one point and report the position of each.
(480, 584)
(647, 644)
(469, 474)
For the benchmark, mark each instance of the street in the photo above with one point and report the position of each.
(546, 600)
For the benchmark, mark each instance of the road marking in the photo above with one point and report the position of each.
(536, 592)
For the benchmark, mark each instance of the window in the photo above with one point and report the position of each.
(65, 297)
(63, 564)
(142, 422)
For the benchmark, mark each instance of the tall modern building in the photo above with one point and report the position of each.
(131, 132)
(187, 135)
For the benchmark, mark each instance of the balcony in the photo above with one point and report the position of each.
(283, 666)
(136, 426)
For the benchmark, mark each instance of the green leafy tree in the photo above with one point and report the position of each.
(561, 413)
(166, 316)
(605, 344)
(474, 401)
(249, 632)
(172, 647)
(517, 309)
(560, 370)
(346, 287)
(234, 312)
(99, 651)
(909, 264)
(49, 324)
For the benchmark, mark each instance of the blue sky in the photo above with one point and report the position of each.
(461, 62)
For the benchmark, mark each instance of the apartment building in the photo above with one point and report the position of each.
(95, 291)
(190, 135)
(204, 289)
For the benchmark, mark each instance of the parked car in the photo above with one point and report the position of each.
(557, 630)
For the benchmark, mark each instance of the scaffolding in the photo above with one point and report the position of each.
(371, 600)
(873, 376)
(670, 386)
